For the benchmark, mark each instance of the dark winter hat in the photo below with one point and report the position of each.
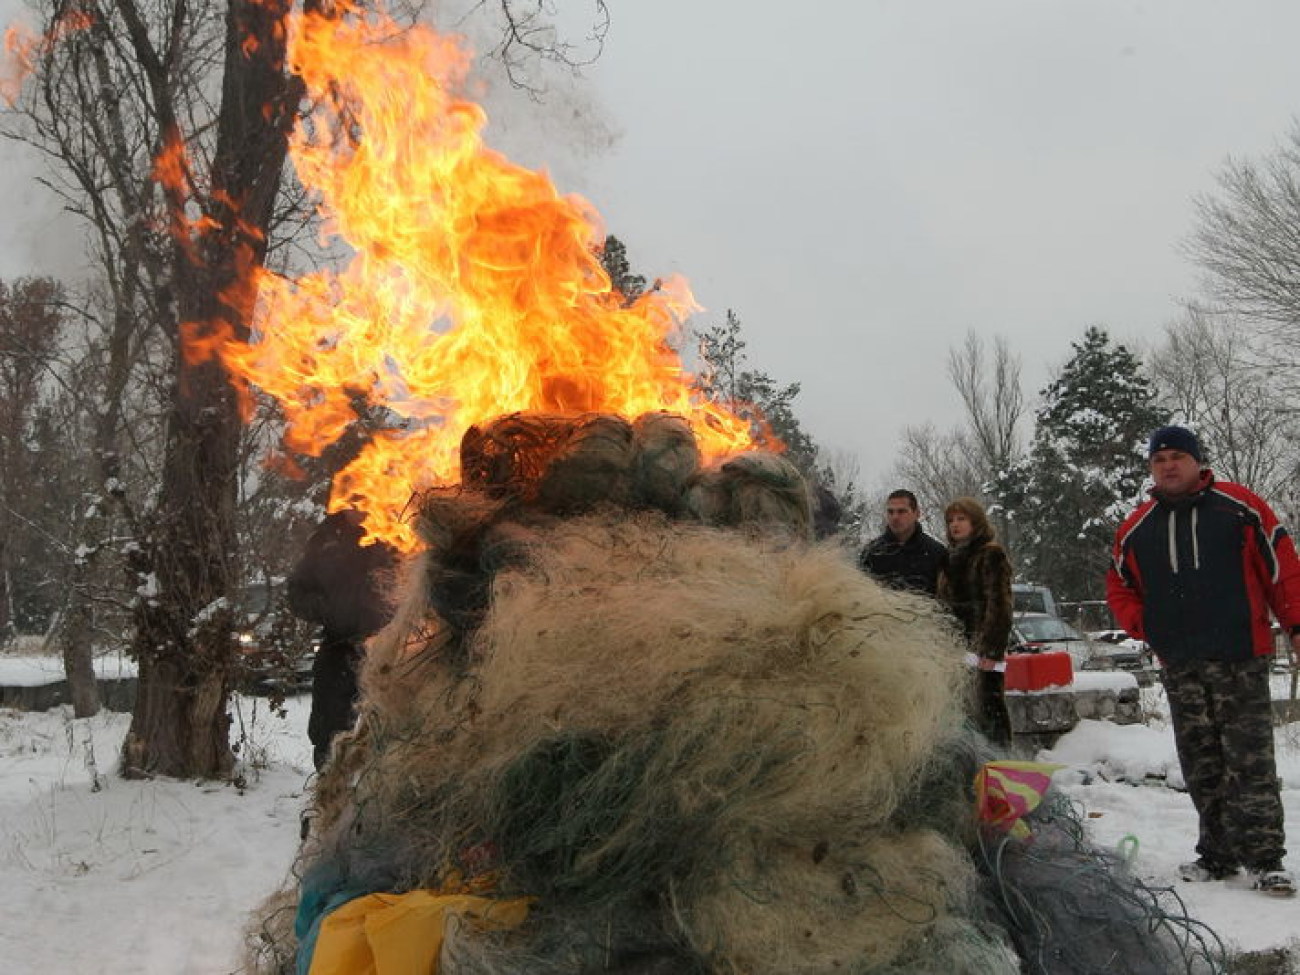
(1175, 438)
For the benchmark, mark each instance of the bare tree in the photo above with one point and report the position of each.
(1212, 379)
(86, 111)
(84, 539)
(1247, 239)
(990, 390)
(528, 36)
(937, 466)
(166, 123)
(54, 350)
(940, 466)
(840, 472)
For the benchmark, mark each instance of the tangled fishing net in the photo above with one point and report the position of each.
(628, 719)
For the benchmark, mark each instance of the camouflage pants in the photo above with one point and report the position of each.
(1223, 727)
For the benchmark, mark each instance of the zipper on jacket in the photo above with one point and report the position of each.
(1173, 540)
(1196, 543)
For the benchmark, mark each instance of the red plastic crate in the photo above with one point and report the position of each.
(1017, 673)
(1036, 671)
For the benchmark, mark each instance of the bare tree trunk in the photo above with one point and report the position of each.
(183, 642)
(6, 614)
(73, 636)
(183, 639)
(76, 629)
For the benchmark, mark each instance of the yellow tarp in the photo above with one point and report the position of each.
(401, 934)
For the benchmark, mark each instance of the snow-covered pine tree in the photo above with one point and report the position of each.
(613, 258)
(768, 406)
(1085, 467)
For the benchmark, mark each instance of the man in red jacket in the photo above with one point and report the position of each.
(1197, 569)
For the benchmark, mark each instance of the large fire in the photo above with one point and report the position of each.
(472, 289)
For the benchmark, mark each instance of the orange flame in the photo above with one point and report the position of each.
(171, 165)
(16, 65)
(23, 48)
(472, 290)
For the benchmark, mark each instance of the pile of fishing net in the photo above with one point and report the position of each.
(629, 719)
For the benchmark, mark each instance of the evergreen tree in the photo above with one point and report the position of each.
(725, 378)
(751, 394)
(769, 408)
(1085, 467)
(754, 396)
(613, 258)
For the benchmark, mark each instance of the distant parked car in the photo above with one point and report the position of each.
(276, 650)
(1029, 598)
(274, 666)
(1281, 650)
(1116, 650)
(1042, 632)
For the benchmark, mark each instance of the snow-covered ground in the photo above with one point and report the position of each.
(33, 670)
(157, 878)
(1127, 780)
(139, 878)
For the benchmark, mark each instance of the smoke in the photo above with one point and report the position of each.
(549, 115)
(37, 237)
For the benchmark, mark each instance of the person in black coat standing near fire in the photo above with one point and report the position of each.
(342, 585)
(904, 556)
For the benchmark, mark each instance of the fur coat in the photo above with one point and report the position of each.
(976, 587)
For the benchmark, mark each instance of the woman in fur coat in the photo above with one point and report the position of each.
(976, 588)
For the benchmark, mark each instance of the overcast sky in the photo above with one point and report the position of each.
(867, 181)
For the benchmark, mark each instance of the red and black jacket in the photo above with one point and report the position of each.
(1196, 577)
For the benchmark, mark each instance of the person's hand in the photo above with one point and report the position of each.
(1295, 650)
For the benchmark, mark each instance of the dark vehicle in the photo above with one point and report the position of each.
(1116, 650)
(276, 650)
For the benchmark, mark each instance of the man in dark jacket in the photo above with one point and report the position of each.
(904, 556)
(1196, 571)
(342, 585)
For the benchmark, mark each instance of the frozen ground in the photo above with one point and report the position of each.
(157, 878)
(138, 878)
